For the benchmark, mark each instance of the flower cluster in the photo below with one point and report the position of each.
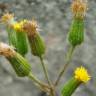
(24, 34)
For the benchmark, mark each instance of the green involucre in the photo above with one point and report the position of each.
(76, 34)
(18, 40)
(12, 37)
(20, 65)
(37, 45)
(22, 43)
(70, 87)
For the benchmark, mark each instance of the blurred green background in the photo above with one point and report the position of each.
(54, 18)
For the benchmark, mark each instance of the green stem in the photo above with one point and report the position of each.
(52, 92)
(68, 60)
(41, 85)
(45, 71)
(46, 76)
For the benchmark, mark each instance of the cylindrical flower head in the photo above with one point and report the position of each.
(17, 37)
(76, 34)
(36, 43)
(19, 64)
(22, 42)
(80, 76)
(8, 20)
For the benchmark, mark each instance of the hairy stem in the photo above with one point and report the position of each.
(68, 60)
(45, 71)
(47, 77)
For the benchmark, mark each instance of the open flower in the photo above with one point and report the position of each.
(82, 75)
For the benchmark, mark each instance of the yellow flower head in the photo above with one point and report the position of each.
(30, 27)
(18, 26)
(79, 8)
(82, 75)
(7, 17)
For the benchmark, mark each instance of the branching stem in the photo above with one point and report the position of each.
(38, 83)
(68, 59)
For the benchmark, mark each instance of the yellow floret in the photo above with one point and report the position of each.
(82, 75)
(18, 26)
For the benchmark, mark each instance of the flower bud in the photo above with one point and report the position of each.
(19, 63)
(36, 43)
(80, 76)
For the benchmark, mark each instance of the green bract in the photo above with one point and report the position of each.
(76, 34)
(37, 45)
(70, 87)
